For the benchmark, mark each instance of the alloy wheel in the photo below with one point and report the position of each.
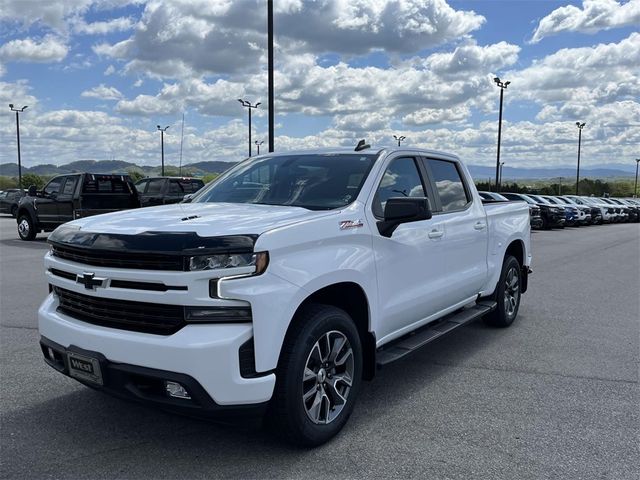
(511, 292)
(327, 377)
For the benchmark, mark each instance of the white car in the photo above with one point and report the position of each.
(607, 211)
(282, 285)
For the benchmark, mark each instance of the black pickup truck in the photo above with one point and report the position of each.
(77, 195)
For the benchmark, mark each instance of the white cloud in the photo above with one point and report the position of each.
(3, 70)
(110, 70)
(48, 49)
(102, 28)
(16, 93)
(598, 74)
(103, 92)
(184, 38)
(595, 15)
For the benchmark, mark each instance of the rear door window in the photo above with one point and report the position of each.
(155, 186)
(449, 185)
(70, 185)
(176, 187)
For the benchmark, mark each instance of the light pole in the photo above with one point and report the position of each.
(500, 184)
(560, 185)
(258, 145)
(399, 138)
(162, 130)
(503, 86)
(635, 187)
(247, 104)
(18, 110)
(270, 73)
(580, 127)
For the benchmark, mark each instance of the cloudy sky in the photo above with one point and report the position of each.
(98, 75)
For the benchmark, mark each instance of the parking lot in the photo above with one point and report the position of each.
(554, 396)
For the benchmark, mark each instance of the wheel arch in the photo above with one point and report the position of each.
(350, 297)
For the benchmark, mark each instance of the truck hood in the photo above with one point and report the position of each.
(205, 219)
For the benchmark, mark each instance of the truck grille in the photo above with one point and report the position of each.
(133, 260)
(123, 314)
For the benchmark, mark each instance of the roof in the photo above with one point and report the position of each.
(373, 150)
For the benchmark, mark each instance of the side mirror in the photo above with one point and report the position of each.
(187, 198)
(403, 210)
(33, 191)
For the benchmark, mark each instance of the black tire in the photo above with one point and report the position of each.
(545, 224)
(505, 313)
(26, 228)
(14, 211)
(290, 415)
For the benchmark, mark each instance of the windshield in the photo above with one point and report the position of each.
(312, 181)
(539, 199)
(566, 200)
(521, 197)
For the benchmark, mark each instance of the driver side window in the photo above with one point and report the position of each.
(53, 187)
(401, 179)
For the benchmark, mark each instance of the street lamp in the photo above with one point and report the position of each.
(270, 74)
(399, 138)
(247, 104)
(500, 184)
(18, 110)
(162, 130)
(635, 187)
(503, 86)
(580, 127)
(258, 145)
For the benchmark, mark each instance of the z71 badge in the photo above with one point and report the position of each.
(346, 224)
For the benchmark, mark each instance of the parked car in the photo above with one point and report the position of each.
(594, 211)
(492, 196)
(620, 213)
(165, 190)
(68, 197)
(282, 285)
(571, 213)
(634, 204)
(553, 216)
(606, 211)
(9, 200)
(628, 211)
(534, 210)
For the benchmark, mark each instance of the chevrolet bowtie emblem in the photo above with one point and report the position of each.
(90, 281)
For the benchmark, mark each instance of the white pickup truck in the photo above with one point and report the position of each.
(282, 284)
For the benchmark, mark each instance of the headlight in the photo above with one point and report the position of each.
(258, 260)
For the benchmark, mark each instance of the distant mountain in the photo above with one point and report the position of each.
(204, 168)
(111, 166)
(512, 173)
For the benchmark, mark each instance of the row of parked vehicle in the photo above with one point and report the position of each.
(67, 197)
(558, 211)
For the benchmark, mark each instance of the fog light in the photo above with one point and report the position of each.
(174, 389)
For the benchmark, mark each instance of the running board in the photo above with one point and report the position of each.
(418, 338)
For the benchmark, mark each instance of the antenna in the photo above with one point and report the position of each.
(362, 146)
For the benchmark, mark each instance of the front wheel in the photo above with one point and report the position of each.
(507, 294)
(318, 376)
(26, 229)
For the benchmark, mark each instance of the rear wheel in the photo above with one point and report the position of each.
(318, 376)
(507, 294)
(26, 228)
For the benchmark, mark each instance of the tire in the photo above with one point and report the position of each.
(545, 224)
(26, 228)
(301, 372)
(507, 294)
(14, 211)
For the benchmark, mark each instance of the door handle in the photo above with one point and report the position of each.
(479, 226)
(436, 233)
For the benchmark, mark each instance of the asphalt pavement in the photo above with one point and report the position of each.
(554, 396)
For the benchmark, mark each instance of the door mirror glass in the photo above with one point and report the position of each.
(403, 210)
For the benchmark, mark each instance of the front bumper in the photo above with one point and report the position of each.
(147, 385)
(207, 353)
